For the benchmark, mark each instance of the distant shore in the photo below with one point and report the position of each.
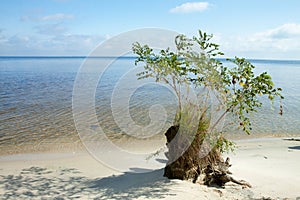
(270, 165)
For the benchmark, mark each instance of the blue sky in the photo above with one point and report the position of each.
(265, 29)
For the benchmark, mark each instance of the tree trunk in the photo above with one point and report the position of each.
(190, 163)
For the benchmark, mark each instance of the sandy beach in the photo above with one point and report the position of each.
(270, 165)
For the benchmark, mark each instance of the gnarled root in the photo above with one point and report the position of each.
(218, 175)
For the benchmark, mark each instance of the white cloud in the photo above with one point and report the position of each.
(283, 38)
(282, 42)
(190, 7)
(285, 31)
(18, 45)
(54, 17)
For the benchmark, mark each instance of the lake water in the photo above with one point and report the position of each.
(36, 100)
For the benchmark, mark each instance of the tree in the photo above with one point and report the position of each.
(236, 88)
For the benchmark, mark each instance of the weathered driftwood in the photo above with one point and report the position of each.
(186, 164)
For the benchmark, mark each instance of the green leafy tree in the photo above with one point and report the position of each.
(237, 89)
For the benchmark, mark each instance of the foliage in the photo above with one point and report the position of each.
(194, 63)
(225, 145)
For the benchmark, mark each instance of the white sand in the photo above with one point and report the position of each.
(270, 165)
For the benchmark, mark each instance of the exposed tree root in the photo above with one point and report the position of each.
(186, 164)
(219, 175)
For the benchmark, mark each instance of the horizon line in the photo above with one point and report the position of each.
(81, 56)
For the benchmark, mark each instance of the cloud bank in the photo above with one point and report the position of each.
(282, 42)
(62, 44)
(190, 7)
(285, 31)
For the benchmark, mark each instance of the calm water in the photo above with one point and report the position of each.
(36, 100)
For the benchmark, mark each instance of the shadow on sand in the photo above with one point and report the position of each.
(295, 147)
(38, 183)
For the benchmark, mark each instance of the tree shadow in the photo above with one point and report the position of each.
(164, 161)
(36, 182)
(292, 139)
(133, 185)
(295, 147)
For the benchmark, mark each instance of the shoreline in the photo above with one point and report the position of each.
(269, 164)
(62, 146)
